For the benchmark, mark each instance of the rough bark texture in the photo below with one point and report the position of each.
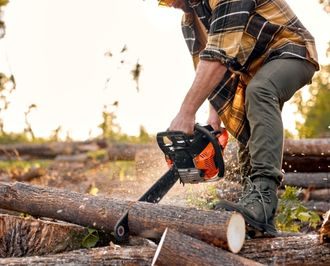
(30, 237)
(306, 163)
(319, 206)
(145, 219)
(180, 249)
(292, 250)
(97, 256)
(317, 147)
(305, 180)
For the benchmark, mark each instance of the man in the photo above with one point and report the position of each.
(250, 58)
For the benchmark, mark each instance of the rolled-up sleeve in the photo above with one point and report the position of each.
(224, 43)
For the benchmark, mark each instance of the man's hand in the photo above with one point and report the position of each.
(214, 119)
(183, 122)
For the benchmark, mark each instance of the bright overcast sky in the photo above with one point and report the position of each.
(55, 49)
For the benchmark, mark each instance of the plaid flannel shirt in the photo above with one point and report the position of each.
(243, 35)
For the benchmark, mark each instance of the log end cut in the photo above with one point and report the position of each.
(236, 232)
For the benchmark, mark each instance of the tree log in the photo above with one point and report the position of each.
(312, 194)
(30, 237)
(96, 256)
(319, 206)
(179, 249)
(307, 180)
(313, 147)
(292, 250)
(311, 163)
(45, 150)
(146, 219)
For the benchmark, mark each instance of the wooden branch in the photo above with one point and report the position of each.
(179, 249)
(145, 219)
(314, 147)
(292, 250)
(95, 256)
(307, 180)
(30, 237)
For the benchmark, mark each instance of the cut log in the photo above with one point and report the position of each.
(96, 256)
(44, 150)
(314, 147)
(145, 219)
(127, 152)
(292, 250)
(306, 163)
(307, 180)
(319, 206)
(179, 249)
(317, 194)
(30, 237)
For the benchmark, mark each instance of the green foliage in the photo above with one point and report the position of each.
(91, 239)
(316, 111)
(98, 155)
(18, 167)
(292, 214)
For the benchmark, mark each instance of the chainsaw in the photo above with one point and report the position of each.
(191, 159)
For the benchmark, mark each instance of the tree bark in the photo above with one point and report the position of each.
(313, 147)
(45, 150)
(292, 250)
(319, 206)
(96, 256)
(145, 219)
(312, 194)
(310, 163)
(31, 237)
(179, 249)
(307, 180)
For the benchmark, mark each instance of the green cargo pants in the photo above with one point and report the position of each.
(273, 85)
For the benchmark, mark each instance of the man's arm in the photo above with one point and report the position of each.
(208, 75)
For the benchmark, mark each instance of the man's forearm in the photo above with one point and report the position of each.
(208, 76)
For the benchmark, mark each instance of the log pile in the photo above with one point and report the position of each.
(307, 166)
(180, 236)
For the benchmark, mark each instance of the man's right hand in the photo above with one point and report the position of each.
(183, 122)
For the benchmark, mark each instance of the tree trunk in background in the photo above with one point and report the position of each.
(312, 147)
(307, 180)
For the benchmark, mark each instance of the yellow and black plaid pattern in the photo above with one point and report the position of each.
(243, 35)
